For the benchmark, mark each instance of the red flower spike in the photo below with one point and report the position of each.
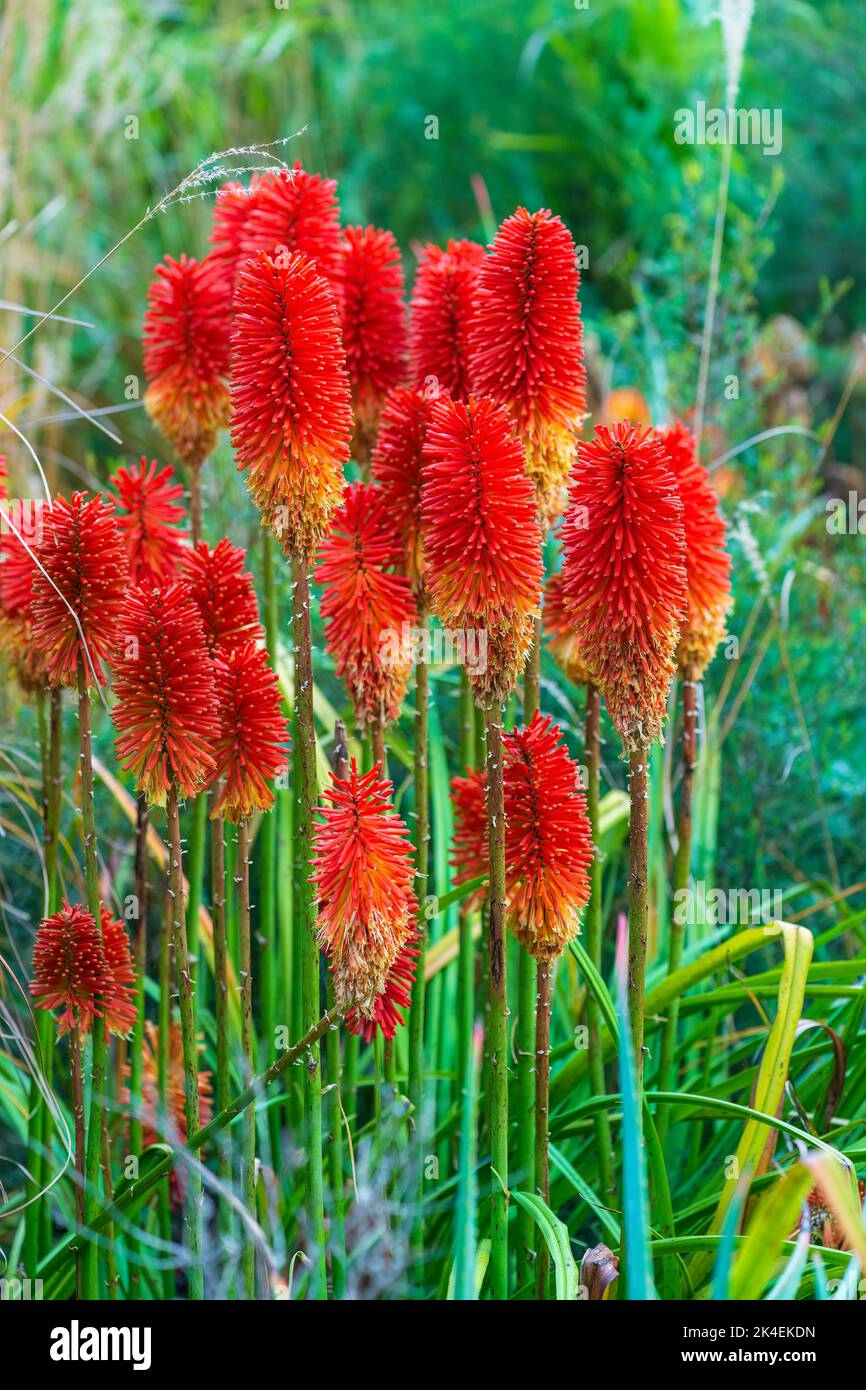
(253, 739)
(232, 207)
(224, 593)
(471, 851)
(396, 467)
(708, 564)
(374, 323)
(527, 345)
(396, 995)
(367, 605)
(150, 515)
(482, 540)
(291, 211)
(70, 971)
(186, 354)
(363, 873)
(443, 302)
(291, 413)
(561, 637)
(624, 574)
(548, 840)
(77, 603)
(119, 1000)
(166, 709)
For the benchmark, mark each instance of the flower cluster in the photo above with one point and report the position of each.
(362, 873)
(82, 971)
(367, 605)
(149, 516)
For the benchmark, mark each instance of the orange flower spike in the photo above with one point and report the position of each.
(186, 354)
(708, 564)
(443, 302)
(396, 468)
(527, 345)
(291, 413)
(149, 515)
(290, 211)
(624, 574)
(367, 605)
(363, 875)
(166, 708)
(157, 1127)
(374, 324)
(70, 971)
(482, 540)
(561, 637)
(253, 739)
(396, 995)
(77, 603)
(224, 594)
(548, 840)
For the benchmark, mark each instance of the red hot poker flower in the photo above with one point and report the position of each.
(70, 972)
(150, 516)
(290, 211)
(624, 574)
(231, 210)
(186, 354)
(708, 564)
(396, 467)
(548, 841)
(562, 638)
(471, 851)
(166, 710)
(396, 995)
(362, 872)
(119, 999)
(77, 602)
(374, 322)
(253, 739)
(482, 541)
(224, 593)
(291, 415)
(367, 605)
(443, 302)
(527, 344)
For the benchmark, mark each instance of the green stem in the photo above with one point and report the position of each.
(97, 1101)
(195, 881)
(593, 923)
(637, 902)
(305, 767)
(267, 856)
(190, 1047)
(497, 1018)
(52, 840)
(526, 1042)
(248, 1151)
(221, 994)
(466, 959)
(136, 1059)
(421, 773)
(163, 1013)
(542, 1108)
(682, 865)
(78, 1121)
(335, 1113)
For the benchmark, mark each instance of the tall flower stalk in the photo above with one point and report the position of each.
(166, 719)
(624, 588)
(291, 425)
(708, 601)
(482, 546)
(76, 609)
